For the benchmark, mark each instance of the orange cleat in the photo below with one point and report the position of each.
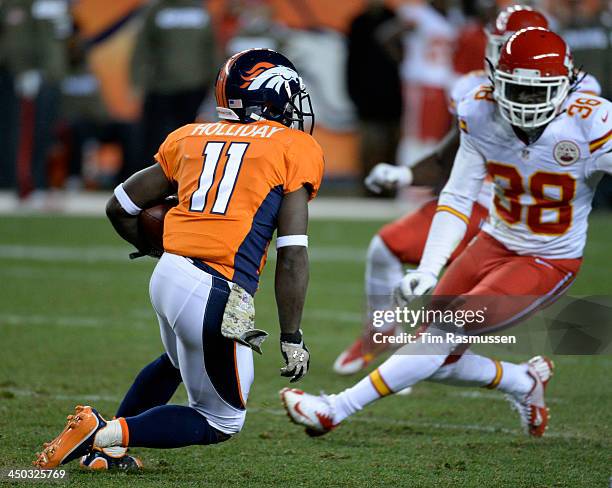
(74, 441)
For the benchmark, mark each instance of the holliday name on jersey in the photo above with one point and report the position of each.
(236, 130)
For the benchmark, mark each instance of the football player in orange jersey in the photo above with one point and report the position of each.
(238, 180)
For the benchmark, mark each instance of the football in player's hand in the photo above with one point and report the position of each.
(151, 223)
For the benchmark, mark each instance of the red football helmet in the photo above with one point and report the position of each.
(510, 20)
(532, 78)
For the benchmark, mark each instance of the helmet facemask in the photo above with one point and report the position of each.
(528, 100)
(292, 114)
(295, 111)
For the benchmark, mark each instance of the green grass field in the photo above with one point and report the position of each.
(76, 326)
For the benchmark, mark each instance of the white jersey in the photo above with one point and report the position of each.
(469, 81)
(428, 46)
(464, 85)
(588, 84)
(542, 190)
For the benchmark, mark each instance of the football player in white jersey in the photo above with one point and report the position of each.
(545, 149)
(401, 242)
(426, 72)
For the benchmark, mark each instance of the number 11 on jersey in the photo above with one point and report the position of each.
(212, 155)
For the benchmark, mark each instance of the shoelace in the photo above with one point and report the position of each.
(327, 400)
(522, 407)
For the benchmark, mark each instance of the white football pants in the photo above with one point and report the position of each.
(216, 371)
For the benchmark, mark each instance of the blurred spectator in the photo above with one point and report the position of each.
(469, 50)
(316, 43)
(315, 40)
(587, 27)
(174, 63)
(427, 72)
(32, 49)
(84, 116)
(240, 25)
(254, 27)
(8, 127)
(374, 86)
(108, 30)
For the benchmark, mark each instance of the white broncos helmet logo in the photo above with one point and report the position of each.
(268, 75)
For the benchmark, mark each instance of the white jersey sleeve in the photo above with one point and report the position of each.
(454, 207)
(588, 84)
(463, 86)
(463, 186)
(600, 141)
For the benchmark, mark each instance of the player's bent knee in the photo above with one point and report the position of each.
(222, 436)
(379, 254)
(207, 434)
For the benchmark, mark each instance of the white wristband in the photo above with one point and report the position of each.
(125, 201)
(284, 241)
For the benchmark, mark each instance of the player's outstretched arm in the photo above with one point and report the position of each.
(431, 170)
(449, 224)
(291, 281)
(434, 169)
(141, 190)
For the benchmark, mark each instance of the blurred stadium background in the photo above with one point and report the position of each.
(90, 88)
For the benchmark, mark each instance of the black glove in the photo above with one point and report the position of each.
(154, 253)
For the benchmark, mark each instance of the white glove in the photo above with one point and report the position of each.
(296, 356)
(414, 284)
(27, 84)
(386, 176)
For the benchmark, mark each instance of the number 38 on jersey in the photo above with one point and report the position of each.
(550, 211)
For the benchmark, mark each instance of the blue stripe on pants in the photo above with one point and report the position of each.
(218, 350)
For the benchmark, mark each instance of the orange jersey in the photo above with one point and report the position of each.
(231, 179)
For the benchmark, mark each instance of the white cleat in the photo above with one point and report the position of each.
(532, 407)
(315, 413)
